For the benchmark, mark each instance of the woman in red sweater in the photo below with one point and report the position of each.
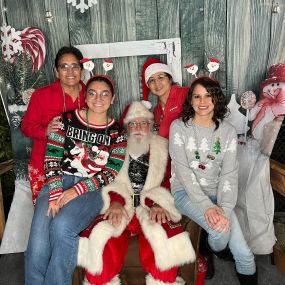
(47, 103)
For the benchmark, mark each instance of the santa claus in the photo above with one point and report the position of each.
(136, 204)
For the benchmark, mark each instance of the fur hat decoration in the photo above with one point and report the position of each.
(137, 110)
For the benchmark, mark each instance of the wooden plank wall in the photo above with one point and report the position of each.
(244, 35)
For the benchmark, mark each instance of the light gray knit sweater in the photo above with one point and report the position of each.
(220, 176)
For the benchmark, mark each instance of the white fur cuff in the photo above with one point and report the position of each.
(151, 281)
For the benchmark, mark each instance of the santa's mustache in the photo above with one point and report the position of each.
(137, 133)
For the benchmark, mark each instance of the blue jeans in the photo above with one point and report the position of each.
(243, 256)
(51, 255)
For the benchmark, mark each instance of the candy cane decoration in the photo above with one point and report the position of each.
(33, 42)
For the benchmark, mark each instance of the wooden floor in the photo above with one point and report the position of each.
(12, 271)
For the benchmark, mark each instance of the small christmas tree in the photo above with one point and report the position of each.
(217, 146)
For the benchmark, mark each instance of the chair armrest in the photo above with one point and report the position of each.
(277, 176)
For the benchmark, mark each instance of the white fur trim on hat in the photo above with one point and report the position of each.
(154, 68)
(138, 110)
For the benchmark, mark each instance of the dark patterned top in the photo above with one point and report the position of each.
(84, 150)
(138, 169)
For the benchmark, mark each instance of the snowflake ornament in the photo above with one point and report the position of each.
(11, 42)
(82, 4)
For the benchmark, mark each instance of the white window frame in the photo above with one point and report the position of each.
(170, 47)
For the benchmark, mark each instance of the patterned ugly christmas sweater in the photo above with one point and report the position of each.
(95, 152)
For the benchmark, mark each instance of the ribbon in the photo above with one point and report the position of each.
(276, 104)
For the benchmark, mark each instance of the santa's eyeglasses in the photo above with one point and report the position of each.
(142, 124)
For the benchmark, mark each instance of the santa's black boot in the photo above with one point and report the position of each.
(247, 279)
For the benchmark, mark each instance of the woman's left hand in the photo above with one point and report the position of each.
(158, 214)
(223, 225)
(66, 197)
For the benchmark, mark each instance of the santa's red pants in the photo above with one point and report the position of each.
(114, 255)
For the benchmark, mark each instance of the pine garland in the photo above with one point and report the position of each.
(19, 76)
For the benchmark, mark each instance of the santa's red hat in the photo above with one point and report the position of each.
(276, 74)
(150, 67)
(212, 59)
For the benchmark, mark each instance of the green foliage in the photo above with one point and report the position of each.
(5, 138)
(20, 77)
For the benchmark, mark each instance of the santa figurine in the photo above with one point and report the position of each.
(272, 101)
(192, 69)
(213, 65)
(107, 65)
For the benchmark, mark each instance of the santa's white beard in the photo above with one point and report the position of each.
(138, 146)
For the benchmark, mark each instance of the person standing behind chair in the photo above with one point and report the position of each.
(157, 78)
(84, 155)
(47, 103)
(204, 180)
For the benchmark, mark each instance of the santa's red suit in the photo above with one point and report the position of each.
(162, 247)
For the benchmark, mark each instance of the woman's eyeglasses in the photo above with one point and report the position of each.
(73, 66)
(159, 78)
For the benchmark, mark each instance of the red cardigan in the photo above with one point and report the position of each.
(172, 111)
(46, 103)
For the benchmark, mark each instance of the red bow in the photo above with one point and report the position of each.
(276, 104)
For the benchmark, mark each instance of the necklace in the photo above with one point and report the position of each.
(64, 99)
(89, 145)
(215, 148)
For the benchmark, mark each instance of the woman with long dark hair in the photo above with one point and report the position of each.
(204, 178)
(84, 155)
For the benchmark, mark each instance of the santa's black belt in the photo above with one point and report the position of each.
(136, 199)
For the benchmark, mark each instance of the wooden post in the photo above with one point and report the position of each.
(4, 167)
